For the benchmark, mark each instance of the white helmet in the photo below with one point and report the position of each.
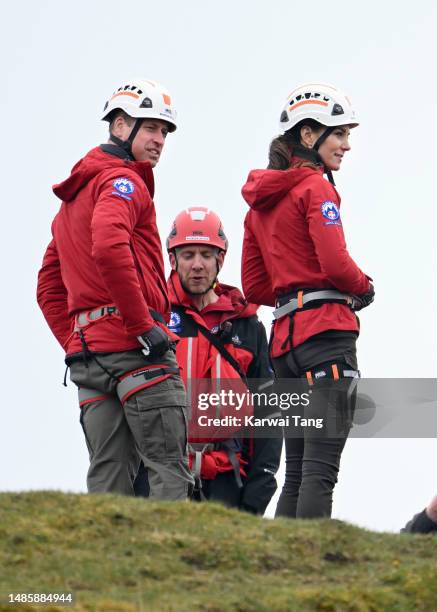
(323, 103)
(142, 99)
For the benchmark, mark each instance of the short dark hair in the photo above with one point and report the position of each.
(118, 112)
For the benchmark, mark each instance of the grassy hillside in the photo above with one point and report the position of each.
(121, 554)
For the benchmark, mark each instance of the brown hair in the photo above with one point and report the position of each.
(118, 112)
(281, 148)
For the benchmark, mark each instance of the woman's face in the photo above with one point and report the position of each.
(334, 147)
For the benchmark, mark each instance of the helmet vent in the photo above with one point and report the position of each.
(308, 95)
(337, 109)
(146, 103)
(197, 215)
(284, 117)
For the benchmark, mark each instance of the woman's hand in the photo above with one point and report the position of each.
(364, 300)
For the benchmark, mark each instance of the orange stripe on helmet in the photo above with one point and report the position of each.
(320, 102)
(125, 93)
(167, 99)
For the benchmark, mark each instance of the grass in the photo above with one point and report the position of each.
(123, 554)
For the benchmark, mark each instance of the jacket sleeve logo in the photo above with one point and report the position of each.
(330, 211)
(123, 186)
(175, 324)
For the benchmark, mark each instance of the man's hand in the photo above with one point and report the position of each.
(155, 342)
(363, 300)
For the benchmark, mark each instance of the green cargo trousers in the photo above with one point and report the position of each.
(151, 426)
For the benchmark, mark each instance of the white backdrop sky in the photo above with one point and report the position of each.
(229, 67)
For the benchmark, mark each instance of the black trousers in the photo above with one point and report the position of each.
(223, 489)
(312, 461)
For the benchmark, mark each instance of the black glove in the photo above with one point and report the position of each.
(363, 300)
(155, 342)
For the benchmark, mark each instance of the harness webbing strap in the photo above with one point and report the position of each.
(304, 299)
(141, 379)
(351, 373)
(219, 345)
(197, 449)
(83, 319)
(236, 466)
(337, 373)
(197, 467)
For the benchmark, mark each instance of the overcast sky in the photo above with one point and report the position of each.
(229, 67)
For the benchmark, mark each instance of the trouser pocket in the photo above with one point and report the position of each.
(162, 432)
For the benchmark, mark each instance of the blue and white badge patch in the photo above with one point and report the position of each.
(330, 211)
(123, 187)
(175, 324)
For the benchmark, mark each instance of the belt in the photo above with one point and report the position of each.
(298, 300)
(89, 316)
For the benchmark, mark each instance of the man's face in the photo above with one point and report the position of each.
(196, 266)
(149, 140)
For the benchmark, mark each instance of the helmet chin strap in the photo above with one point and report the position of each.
(313, 154)
(126, 145)
(321, 139)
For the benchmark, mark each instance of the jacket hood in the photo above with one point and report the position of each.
(96, 161)
(265, 188)
(241, 307)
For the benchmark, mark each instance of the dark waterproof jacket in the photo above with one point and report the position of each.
(198, 358)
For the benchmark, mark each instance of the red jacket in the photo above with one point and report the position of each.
(196, 356)
(199, 359)
(105, 250)
(203, 368)
(294, 239)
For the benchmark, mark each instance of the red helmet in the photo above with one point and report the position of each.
(197, 225)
